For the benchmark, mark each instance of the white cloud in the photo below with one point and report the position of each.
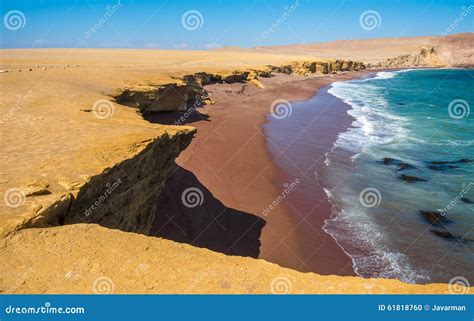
(211, 46)
(181, 45)
(152, 45)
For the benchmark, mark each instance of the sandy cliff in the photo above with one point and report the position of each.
(452, 51)
(437, 51)
(74, 151)
(85, 258)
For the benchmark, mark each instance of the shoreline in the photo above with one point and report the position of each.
(230, 162)
(301, 143)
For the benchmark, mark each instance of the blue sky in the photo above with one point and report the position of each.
(246, 23)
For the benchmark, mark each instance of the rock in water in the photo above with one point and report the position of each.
(450, 236)
(411, 179)
(442, 167)
(390, 161)
(406, 166)
(467, 200)
(396, 162)
(435, 218)
(462, 160)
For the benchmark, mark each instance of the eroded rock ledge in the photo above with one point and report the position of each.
(123, 196)
(179, 95)
(427, 57)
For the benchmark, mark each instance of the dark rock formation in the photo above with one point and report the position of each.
(450, 236)
(435, 218)
(399, 163)
(462, 160)
(411, 179)
(442, 167)
(467, 200)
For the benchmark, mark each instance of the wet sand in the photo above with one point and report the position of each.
(241, 160)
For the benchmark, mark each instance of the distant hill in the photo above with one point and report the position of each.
(454, 50)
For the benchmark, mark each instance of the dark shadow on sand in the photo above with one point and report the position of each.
(176, 118)
(211, 224)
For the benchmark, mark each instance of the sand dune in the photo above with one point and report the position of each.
(455, 50)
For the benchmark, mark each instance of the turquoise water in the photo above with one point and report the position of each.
(402, 177)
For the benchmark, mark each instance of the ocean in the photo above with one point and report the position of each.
(401, 178)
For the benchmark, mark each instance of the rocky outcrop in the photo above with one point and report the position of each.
(445, 51)
(427, 57)
(306, 68)
(123, 196)
(163, 98)
(186, 91)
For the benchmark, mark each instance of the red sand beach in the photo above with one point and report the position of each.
(240, 163)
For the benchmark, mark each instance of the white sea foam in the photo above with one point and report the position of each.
(352, 227)
(385, 75)
(373, 124)
(364, 242)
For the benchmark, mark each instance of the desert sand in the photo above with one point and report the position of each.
(72, 137)
(454, 50)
